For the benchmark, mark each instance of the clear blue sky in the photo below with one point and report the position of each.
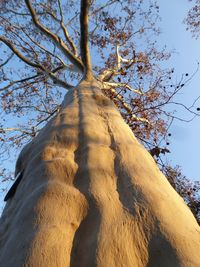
(185, 141)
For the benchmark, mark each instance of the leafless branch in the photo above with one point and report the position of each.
(107, 75)
(58, 42)
(178, 118)
(48, 117)
(36, 108)
(109, 3)
(4, 130)
(65, 31)
(62, 25)
(18, 81)
(50, 74)
(18, 53)
(7, 60)
(127, 107)
(44, 49)
(109, 85)
(185, 107)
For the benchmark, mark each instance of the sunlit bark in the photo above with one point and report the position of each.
(91, 195)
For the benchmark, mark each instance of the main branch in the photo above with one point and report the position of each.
(84, 42)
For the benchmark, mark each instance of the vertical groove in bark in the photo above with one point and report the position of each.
(124, 198)
(86, 236)
(135, 204)
(91, 195)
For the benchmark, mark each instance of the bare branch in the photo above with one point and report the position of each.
(127, 107)
(62, 25)
(18, 81)
(65, 31)
(48, 117)
(4, 130)
(7, 60)
(58, 81)
(50, 74)
(125, 85)
(140, 119)
(104, 6)
(63, 66)
(43, 48)
(184, 106)
(84, 43)
(118, 57)
(107, 75)
(18, 53)
(58, 42)
(36, 108)
(178, 118)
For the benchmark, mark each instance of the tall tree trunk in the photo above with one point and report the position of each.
(91, 195)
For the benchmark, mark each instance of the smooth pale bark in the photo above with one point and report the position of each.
(91, 195)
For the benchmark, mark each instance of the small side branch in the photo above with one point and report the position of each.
(7, 60)
(108, 74)
(127, 107)
(18, 81)
(110, 85)
(4, 130)
(84, 43)
(65, 31)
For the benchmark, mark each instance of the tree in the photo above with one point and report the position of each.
(140, 88)
(89, 193)
(193, 19)
(189, 190)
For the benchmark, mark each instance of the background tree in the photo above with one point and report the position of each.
(188, 189)
(193, 19)
(71, 197)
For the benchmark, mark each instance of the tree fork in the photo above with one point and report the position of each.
(91, 195)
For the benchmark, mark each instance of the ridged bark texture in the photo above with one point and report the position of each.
(91, 195)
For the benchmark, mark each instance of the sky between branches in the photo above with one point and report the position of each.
(185, 142)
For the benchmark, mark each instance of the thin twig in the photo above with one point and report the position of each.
(7, 60)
